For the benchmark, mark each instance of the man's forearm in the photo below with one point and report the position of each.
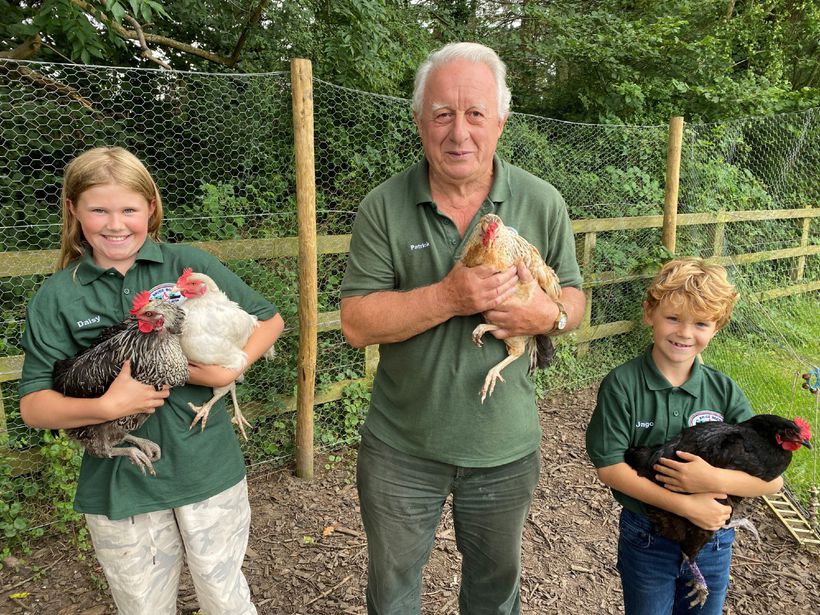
(392, 316)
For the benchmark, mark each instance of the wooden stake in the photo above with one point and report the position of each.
(670, 201)
(301, 73)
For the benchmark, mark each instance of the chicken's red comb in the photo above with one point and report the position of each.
(804, 427)
(140, 301)
(186, 273)
(489, 232)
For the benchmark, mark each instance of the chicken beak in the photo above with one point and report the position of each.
(806, 443)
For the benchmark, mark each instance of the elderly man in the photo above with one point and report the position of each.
(427, 435)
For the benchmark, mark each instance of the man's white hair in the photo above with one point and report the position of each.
(471, 52)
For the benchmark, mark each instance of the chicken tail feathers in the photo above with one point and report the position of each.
(544, 352)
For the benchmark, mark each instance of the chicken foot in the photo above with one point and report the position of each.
(142, 455)
(204, 410)
(700, 590)
(494, 374)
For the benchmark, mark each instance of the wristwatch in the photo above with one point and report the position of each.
(560, 322)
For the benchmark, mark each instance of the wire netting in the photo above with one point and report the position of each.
(221, 149)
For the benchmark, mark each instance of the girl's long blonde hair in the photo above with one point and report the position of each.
(96, 167)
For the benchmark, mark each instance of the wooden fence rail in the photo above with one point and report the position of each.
(307, 246)
(41, 262)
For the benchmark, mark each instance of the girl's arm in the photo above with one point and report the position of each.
(702, 509)
(48, 409)
(696, 475)
(262, 338)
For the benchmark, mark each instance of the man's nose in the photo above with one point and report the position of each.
(459, 132)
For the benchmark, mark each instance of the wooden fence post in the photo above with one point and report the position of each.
(670, 200)
(804, 243)
(301, 76)
(585, 259)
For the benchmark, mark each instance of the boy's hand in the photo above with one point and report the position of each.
(692, 475)
(706, 512)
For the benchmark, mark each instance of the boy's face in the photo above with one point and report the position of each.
(678, 335)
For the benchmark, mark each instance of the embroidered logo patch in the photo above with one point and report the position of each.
(705, 416)
(163, 291)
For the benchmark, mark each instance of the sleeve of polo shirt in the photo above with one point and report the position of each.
(369, 264)
(737, 408)
(561, 256)
(609, 431)
(41, 343)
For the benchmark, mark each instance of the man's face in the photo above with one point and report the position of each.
(459, 122)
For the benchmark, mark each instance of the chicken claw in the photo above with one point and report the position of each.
(204, 410)
(479, 331)
(489, 382)
(700, 591)
(142, 455)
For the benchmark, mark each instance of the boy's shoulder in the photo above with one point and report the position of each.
(627, 375)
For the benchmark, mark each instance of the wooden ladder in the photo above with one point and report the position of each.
(790, 514)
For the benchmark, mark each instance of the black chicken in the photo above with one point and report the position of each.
(761, 446)
(149, 338)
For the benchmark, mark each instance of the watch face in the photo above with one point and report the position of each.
(562, 321)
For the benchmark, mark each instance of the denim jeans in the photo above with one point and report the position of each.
(402, 498)
(653, 574)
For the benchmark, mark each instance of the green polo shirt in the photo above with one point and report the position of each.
(68, 312)
(638, 407)
(425, 399)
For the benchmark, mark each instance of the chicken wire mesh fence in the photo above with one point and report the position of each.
(221, 149)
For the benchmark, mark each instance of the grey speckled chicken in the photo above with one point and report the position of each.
(497, 245)
(149, 338)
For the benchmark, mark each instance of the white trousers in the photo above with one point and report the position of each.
(142, 555)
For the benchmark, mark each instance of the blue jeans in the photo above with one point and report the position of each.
(402, 497)
(653, 574)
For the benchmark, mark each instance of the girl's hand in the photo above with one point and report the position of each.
(211, 375)
(692, 475)
(128, 396)
(706, 512)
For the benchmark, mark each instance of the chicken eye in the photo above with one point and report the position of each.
(149, 314)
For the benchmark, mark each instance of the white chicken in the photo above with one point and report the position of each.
(215, 332)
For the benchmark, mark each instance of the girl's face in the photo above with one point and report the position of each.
(115, 224)
(678, 335)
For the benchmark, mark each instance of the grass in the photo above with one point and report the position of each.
(765, 350)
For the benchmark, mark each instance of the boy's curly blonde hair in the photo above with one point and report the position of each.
(698, 288)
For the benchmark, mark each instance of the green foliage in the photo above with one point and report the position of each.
(610, 61)
(27, 502)
(765, 356)
(340, 421)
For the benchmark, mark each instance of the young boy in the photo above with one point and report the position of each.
(645, 402)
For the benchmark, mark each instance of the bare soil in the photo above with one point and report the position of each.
(307, 553)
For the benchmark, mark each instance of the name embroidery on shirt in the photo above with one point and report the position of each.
(419, 246)
(705, 416)
(645, 424)
(88, 321)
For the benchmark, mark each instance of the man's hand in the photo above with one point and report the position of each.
(518, 318)
(472, 290)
